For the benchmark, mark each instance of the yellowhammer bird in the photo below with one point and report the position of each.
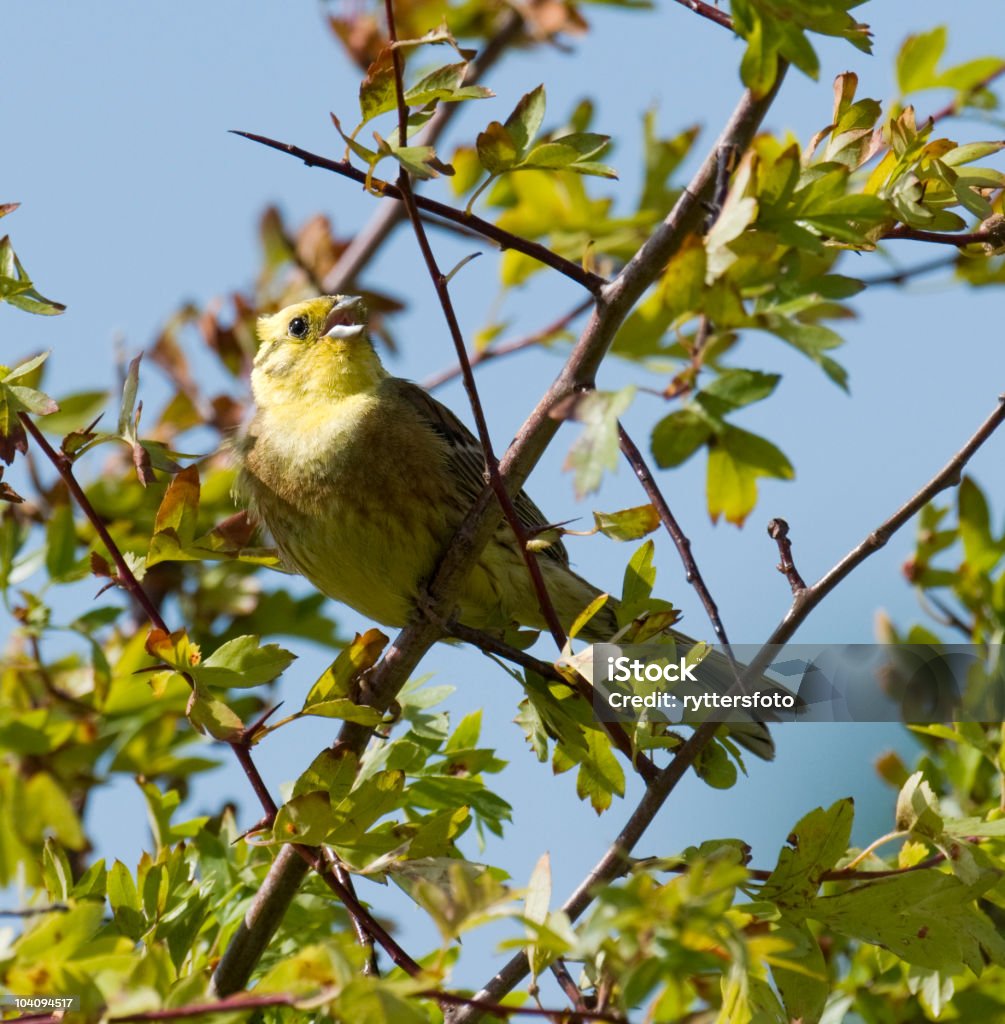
(362, 479)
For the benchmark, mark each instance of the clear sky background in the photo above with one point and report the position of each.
(114, 139)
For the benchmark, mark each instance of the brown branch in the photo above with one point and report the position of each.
(896, 277)
(943, 237)
(506, 348)
(948, 476)
(954, 106)
(709, 12)
(615, 860)
(506, 239)
(237, 1004)
(403, 656)
(681, 541)
(440, 283)
(778, 531)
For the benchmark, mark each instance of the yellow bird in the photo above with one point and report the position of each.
(362, 479)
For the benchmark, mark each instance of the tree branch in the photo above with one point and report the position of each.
(590, 281)
(709, 12)
(944, 237)
(402, 657)
(615, 860)
(506, 348)
(440, 283)
(683, 544)
(778, 531)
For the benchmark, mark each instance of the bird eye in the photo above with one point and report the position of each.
(298, 327)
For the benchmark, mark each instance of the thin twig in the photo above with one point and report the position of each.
(243, 1003)
(681, 541)
(506, 348)
(615, 861)
(942, 237)
(709, 12)
(954, 106)
(778, 531)
(440, 283)
(896, 277)
(404, 654)
(506, 239)
(948, 476)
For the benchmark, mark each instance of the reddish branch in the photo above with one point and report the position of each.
(709, 12)
(506, 240)
(507, 348)
(943, 237)
(440, 283)
(237, 1004)
(778, 531)
(681, 541)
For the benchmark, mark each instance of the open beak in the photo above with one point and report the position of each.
(342, 321)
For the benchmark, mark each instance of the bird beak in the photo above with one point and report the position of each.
(341, 321)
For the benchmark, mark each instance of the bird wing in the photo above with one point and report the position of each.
(467, 459)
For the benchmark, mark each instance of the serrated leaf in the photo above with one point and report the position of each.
(736, 459)
(525, 121)
(249, 661)
(629, 523)
(678, 436)
(336, 681)
(817, 842)
(597, 448)
(496, 148)
(925, 917)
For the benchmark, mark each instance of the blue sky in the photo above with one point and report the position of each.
(136, 198)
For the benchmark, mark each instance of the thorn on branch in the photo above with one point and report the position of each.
(778, 531)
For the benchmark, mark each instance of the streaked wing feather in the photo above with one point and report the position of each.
(467, 460)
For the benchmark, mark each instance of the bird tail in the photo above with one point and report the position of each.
(717, 672)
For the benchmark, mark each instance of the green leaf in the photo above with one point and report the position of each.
(337, 680)
(918, 809)
(61, 543)
(640, 578)
(925, 917)
(125, 901)
(16, 286)
(800, 972)
(210, 715)
(535, 908)
(918, 58)
(818, 841)
(525, 121)
(678, 436)
(597, 448)
(736, 459)
(629, 523)
(445, 85)
(733, 389)
(176, 520)
(981, 549)
(249, 662)
(497, 150)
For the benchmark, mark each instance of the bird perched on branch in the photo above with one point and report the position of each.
(363, 478)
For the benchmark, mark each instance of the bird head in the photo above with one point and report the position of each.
(314, 349)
